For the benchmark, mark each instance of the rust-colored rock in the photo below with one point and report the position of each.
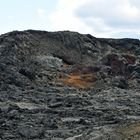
(129, 58)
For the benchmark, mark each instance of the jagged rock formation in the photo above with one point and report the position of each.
(68, 86)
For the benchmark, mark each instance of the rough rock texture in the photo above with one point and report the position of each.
(68, 86)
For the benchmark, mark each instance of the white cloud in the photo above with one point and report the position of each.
(101, 18)
(129, 11)
(41, 12)
(114, 13)
(64, 17)
(10, 17)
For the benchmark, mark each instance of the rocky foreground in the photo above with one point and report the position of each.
(68, 86)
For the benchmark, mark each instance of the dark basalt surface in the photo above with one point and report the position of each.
(68, 86)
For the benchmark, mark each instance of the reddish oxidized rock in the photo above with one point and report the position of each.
(129, 58)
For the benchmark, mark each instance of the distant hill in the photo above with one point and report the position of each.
(66, 85)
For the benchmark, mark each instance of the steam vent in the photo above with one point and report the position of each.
(68, 86)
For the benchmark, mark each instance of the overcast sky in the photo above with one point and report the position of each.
(101, 18)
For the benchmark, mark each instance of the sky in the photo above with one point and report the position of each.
(101, 18)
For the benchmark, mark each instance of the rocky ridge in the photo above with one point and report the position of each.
(68, 86)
